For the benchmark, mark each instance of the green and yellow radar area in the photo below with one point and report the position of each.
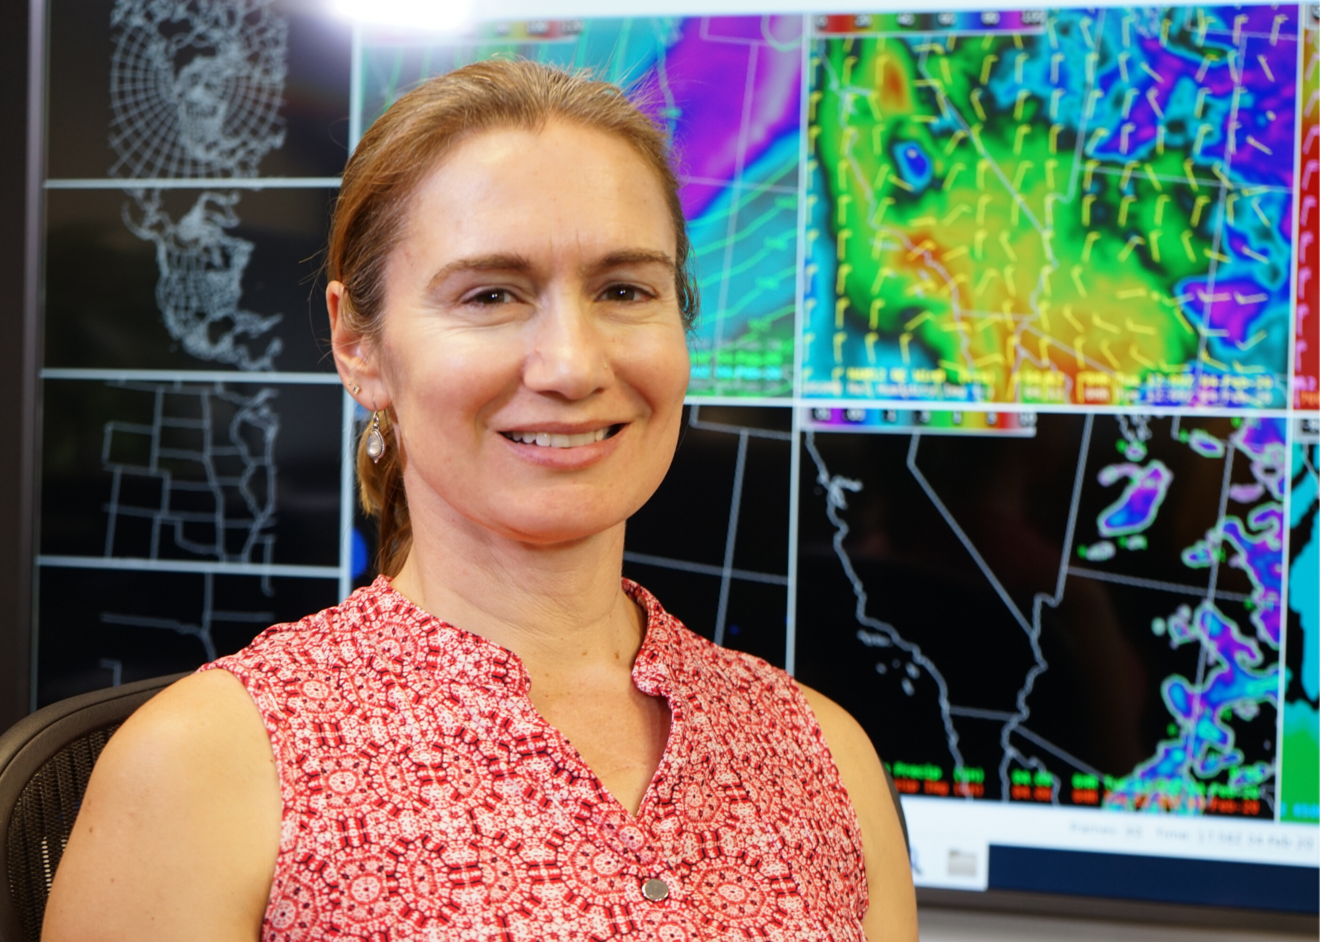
(1090, 208)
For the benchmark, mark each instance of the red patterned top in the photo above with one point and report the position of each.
(425, 798)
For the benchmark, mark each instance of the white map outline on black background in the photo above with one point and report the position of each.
(196, 90)
(878, 635)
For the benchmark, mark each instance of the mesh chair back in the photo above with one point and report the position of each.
(45, 763)
(41, 822)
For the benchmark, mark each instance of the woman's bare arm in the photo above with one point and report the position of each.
(893, 912)
(180, 826)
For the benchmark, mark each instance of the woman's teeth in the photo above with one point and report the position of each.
(556, 440)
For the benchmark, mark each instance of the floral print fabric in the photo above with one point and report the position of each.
(425, 798)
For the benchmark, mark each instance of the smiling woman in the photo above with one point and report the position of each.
(500, 737)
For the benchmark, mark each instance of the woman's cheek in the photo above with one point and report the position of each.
(661, 354)
(679, 366)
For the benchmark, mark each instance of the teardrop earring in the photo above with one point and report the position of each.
(375, 440)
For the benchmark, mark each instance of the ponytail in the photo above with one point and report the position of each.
(380, 488)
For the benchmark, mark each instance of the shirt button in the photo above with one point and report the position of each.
(655, 889)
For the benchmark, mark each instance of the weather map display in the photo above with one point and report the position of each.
(1128, 564)
(729, 89)
(1066, 206)
(1299, 796)
(1002, 428)
(1306, 342)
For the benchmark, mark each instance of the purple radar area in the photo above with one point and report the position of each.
(1172, 780)
(1260, 555)
(1135, 510)
(704, 84)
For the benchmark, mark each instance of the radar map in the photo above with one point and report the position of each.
(1125, 575)
(1306, 343)
(1088, 207)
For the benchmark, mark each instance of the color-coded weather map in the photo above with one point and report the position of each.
(1238, 672)
(1128, 576)
(1300, 791)
(730, 90)
(1306, 362)
(1074, 206)
(1099, 222)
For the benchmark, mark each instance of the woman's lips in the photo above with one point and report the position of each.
(558, 439)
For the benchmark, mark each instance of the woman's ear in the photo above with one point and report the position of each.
(356, 356)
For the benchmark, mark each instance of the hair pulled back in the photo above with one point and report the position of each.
(406, 143)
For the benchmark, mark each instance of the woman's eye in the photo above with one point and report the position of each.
(623, 293)
(490, 296)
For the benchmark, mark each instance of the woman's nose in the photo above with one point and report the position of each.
(569, 355)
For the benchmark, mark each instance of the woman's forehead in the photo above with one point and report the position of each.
(560, 185)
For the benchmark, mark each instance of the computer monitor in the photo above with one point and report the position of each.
(1002, 424)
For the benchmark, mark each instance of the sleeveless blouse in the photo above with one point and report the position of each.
(425, 798)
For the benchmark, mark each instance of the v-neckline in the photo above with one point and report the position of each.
(487, 665)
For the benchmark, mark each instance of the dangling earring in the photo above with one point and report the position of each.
(375, 440)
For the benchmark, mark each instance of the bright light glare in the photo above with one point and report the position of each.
(413, 14)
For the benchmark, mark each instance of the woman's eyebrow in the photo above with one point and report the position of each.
(496, 261)
(629, 257)
(518, 264)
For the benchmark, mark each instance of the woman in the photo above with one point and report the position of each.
(510, 299)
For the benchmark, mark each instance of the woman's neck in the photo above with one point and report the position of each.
(560, 608)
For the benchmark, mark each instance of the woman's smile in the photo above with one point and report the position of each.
(557, 447)
(548, 436)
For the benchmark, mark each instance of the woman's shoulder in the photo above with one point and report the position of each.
(893, 911)
(738, 670)
(180, 824)
(316, 642)
(201, 720)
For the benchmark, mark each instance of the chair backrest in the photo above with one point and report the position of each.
(45, 762)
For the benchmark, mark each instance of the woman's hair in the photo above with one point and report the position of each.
(404, 145)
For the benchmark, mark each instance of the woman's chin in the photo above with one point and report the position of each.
(556, 530)
(557, 539)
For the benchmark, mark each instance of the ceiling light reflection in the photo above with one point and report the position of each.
(439, 15)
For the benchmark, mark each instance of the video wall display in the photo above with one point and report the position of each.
(1002, 427)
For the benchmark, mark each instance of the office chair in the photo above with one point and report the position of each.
(45, 762)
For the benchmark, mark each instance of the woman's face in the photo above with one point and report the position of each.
(532, 349)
